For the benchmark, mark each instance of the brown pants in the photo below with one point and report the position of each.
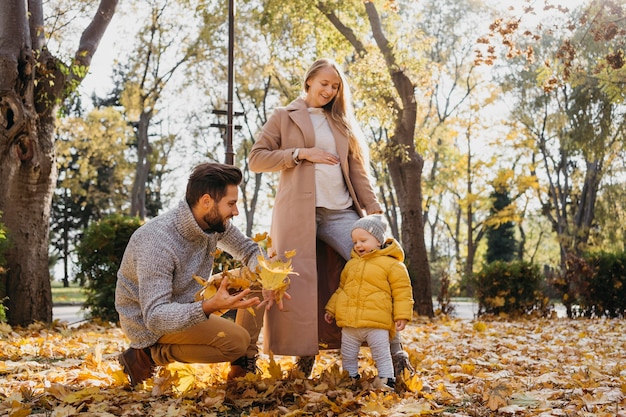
(253, 323)
(214, 340)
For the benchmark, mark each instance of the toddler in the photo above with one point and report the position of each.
(374, 298)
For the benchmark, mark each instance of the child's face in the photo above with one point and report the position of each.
(363, 241)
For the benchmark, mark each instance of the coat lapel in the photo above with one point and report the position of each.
(300, 116)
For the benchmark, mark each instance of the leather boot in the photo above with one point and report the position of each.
(305, 364)
(137, 364)
(241, 366)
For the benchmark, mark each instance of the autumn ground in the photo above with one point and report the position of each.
(538, 367)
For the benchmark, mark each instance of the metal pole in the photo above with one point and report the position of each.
(230, 154)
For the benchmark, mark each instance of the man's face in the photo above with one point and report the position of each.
(218, 214)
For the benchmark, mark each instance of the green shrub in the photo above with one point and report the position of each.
(99, 256)
(607, 290)
(594, 285)
(512, 288)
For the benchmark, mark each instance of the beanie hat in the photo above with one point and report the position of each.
(374, 224)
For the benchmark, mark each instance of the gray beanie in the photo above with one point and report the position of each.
(374, 224)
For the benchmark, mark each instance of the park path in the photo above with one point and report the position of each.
(465, 310)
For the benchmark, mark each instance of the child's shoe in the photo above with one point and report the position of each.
(389, 383)
(385, 384)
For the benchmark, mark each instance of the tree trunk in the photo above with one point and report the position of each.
(27, 158)
(407, 180)
(28, 174)
(144, 149)
(405, 169)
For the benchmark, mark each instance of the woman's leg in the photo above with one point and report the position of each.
(334, 227)
(214, 340)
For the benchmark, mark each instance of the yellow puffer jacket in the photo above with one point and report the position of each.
(374, 290)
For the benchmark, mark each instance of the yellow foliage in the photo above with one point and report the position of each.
(480, 326)
(20, 410)
(274, 276)
(238, 280)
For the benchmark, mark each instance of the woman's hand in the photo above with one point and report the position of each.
(269, 299)
(222, 300)
(318, 156)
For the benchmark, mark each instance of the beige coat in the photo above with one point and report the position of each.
(295, 330)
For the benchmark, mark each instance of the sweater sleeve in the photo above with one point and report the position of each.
(239, 246)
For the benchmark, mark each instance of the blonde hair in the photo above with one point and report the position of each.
(340, 107)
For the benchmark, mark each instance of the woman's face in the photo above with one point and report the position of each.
(322, 87)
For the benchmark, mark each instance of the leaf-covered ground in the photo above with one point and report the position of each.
(538, 367)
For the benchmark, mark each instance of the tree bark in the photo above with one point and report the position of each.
(144, 149)
(32, 83)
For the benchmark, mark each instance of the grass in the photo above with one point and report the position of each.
(67, 295)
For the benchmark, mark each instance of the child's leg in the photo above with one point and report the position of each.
(378, 341)
(350, 345)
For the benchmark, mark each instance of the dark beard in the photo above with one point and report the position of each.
(215, 222)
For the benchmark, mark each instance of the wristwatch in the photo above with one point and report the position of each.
(295, 156)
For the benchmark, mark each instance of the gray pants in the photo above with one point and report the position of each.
(334, 227)
(378, 342)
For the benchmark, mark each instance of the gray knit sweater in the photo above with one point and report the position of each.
(155, 288)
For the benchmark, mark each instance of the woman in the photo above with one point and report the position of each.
(324, 188)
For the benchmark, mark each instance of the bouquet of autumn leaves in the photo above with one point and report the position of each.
(272, 274)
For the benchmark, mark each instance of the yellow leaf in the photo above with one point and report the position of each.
(274, 368)
(274, 275)
(373, 405)
(259, 237)
(480, 326)
(182, 376)
(238, 280)
(65, 410)
(92, 393)
(413, 383)
(497, 395)
(20, 410)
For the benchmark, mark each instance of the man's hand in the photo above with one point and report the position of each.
(222, 300)
(269, 299)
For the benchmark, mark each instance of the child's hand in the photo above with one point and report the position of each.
(401, 324)
(328, 317)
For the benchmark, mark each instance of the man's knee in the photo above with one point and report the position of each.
(238, 346)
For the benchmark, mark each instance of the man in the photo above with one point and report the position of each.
(155, 288)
